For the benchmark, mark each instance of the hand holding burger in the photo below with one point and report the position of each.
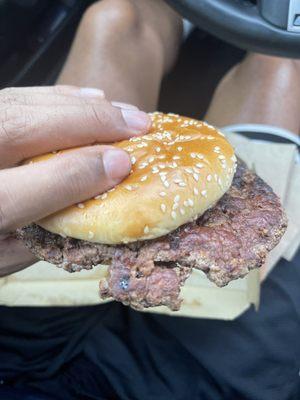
(38, 120)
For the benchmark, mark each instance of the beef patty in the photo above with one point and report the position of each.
(226, 242)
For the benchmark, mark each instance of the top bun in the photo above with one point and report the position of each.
(179, 170)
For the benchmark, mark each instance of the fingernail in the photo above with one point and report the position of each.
(125, 106)
(91, 92)
(137, 121)
(116, 163)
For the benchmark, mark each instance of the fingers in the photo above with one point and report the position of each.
(33, 191)
(45, 120)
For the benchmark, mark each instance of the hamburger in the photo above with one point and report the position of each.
(188, 203)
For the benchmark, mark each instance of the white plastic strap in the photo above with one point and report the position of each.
(266, 129)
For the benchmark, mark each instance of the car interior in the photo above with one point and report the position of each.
(34, 53)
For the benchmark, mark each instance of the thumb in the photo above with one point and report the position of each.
(33, 191)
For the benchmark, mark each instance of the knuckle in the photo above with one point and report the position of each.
(10, 97)
(105, 116)
(14, 125)
(99, 117)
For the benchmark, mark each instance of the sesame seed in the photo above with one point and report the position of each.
(133, 160)
(209, 137)
(175, 206)
(163, 208)
(216, 177)
(150, 159)
(196, 192)
(199, 165)
(128, 187)
(143, 178)
(103, 197)
(162, 194)
(191, 203)
(196, 177)
(162, 166)
(204, 193)
(193, 155)
(188, 170)
(176, 157)
(200, 156)
(197, 170)
(157, 149)
(182, 184)
(80, 205)
(220, 181)
(182, 211)
(209, 177)
(177, 198)
(221, 157)
(173, 214)
(146, 229)
(179, 148)
(91, 235)
(161, 156)
(166, 184)
(98, 197)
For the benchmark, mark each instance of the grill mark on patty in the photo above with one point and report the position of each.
(228, 241)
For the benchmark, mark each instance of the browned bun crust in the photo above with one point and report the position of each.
(179, 170)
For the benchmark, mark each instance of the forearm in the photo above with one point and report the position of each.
(125, 47)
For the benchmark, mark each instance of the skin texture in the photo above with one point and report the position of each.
(35, 120)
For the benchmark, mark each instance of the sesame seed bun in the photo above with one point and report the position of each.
(179, 170)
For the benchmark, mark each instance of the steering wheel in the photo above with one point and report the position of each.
(265, 26)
